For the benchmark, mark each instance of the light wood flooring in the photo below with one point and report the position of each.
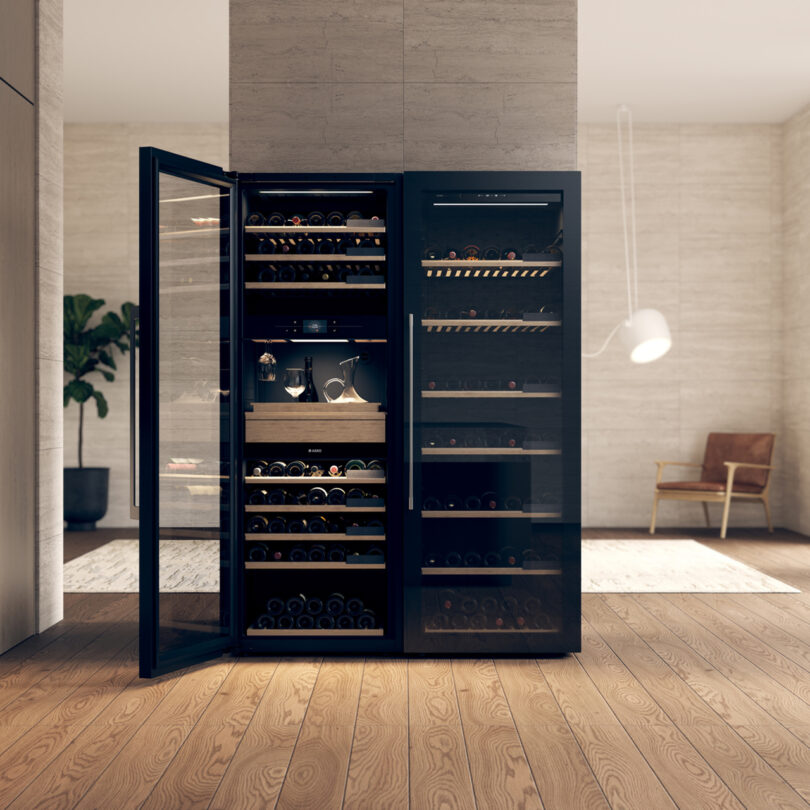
(698, 701)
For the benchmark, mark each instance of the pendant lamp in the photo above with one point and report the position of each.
(645, 332)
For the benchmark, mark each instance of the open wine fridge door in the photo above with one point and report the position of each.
(185, 430)
(492, 562)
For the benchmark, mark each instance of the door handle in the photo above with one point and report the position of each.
(410, 411)
(134, 508)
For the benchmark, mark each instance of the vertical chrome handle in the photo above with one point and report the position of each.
(410, 411)
(134, 509)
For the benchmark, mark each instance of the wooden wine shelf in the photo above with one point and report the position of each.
(311, 285)
(480, 513)
(486, 451)
(473, 264)
(490, 630)
(314, 566)
(491, 394)
(488, 325)
(311, 480)
(304, 229)
(494, 571)
(254, 631)
(308, 507)
(315, 537)
(297, 258)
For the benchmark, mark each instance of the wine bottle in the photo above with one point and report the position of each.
(277, 497)
(276, 469)
(335, 470)
(472, 559)
(276, 220)
(254, 219)
(532, 605)
(309, 394)
(452, 502)
(472, 502)
(258, 552)
(512, 503)
(510, 556)
(489, 605)
(492, 559)
(259, 468)
(285, 622)
(265, 246)
(304, 273)
(257, 496)
(314, 606)
(286, 273)
(509, 605)
(355, 464)
(296, 220)
(336, 496)
(354, 606)
(510, 254)
(316, 553)
(317, 525)
(295, 605)
(468, 312)
(325, 622)
(315, 219)
(335, 219)
(478, 621)
(375, 551)
(317, 495)
(452, 254)
(431, 504)
(257, 525)
(304, 621)
(276, 556)
(459, 621)
(471, 252)
(491, 253)
(374, 465)
(353, 215)
(277, 525)
(298, 554)
(344, 245)
(337, 553)
(265, 622)
(432, 253)
(452, 559)
(335, 604)
(438, 621)
(432, 560)
(305, 246)
(315, 471)
(344, 622)
(468, 604)
(296, 468)
(355, 493)
(296, 526)
(529, 555)
(267, 274)
(489, 500)
(366, 620)
(447, 600)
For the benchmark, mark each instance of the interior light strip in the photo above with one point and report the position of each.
(285, 192)
(200, 197)
(318, 340)
(519, 205)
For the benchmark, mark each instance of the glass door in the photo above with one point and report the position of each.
(492, 301)
(185, 425)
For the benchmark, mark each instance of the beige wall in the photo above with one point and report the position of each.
(101, 259)
(387, 85)
(709, 249)
(796, 320)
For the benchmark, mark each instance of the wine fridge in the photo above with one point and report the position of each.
(356, 427)
(492, 294)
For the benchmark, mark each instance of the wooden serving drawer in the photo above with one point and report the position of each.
(295, 422)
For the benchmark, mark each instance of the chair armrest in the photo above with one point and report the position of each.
(734, 464)
(662, 464)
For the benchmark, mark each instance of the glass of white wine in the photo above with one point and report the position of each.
(294, 382)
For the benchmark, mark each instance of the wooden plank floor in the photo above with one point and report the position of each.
(676, 700)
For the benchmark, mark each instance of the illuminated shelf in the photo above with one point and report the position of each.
(377, 631)
(494, 571)
(480, 513)
(491, 394)
(311, 285)
(314, 566)
(311, 480)
(472, 264)
(304, 229)
(487, 451)
(309, 507)
(192, 233)
(296, 258)
(316, 537)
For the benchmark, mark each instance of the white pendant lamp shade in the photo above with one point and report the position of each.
(646, 335)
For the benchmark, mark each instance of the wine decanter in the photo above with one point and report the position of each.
(348, 394)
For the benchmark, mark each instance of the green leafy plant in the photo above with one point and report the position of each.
(90, 349)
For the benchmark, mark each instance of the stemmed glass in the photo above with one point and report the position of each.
(294, 382)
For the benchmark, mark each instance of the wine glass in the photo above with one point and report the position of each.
(294, 382)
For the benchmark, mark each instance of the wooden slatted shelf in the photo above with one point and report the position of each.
(472, 264)
(494, 513)
(297, 258)
(314, 566)
(486, 325)
(315, 537)
(304, 229)
(311, 480)
(487, 451)
(308, 507)
(491, 394)
(377, 631)
(494, 571)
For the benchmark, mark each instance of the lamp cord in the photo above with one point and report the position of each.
(629, 239)
(605, 344)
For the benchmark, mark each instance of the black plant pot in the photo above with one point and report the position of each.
(86, 491)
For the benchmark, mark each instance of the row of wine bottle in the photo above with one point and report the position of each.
(487, 383)
(298, 469)
(315, 219)
(288, 273)
(498, 313)
(490, 253)
(335, 496)
(462, 610)
(488, 501)
(316, 524)
(317, 552)
(307, 612)
(506, 557)
(482, 621)
(485, 437)
(306, 246)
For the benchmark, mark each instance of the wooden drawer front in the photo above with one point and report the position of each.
(285, 431)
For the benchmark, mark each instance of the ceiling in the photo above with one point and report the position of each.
(670, 60)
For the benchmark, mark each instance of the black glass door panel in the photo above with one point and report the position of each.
(185, 410)
(492, 300)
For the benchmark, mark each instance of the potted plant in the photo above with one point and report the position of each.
(88, 350)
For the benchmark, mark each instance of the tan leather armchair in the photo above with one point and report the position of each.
(735, 465)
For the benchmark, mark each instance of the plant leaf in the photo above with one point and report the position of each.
(101, 404)
(77, 312)
(79, 390)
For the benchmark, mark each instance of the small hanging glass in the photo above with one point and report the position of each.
(267, 366)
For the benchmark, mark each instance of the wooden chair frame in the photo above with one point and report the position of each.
(706, 497)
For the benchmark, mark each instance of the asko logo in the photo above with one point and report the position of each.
(315, 450)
